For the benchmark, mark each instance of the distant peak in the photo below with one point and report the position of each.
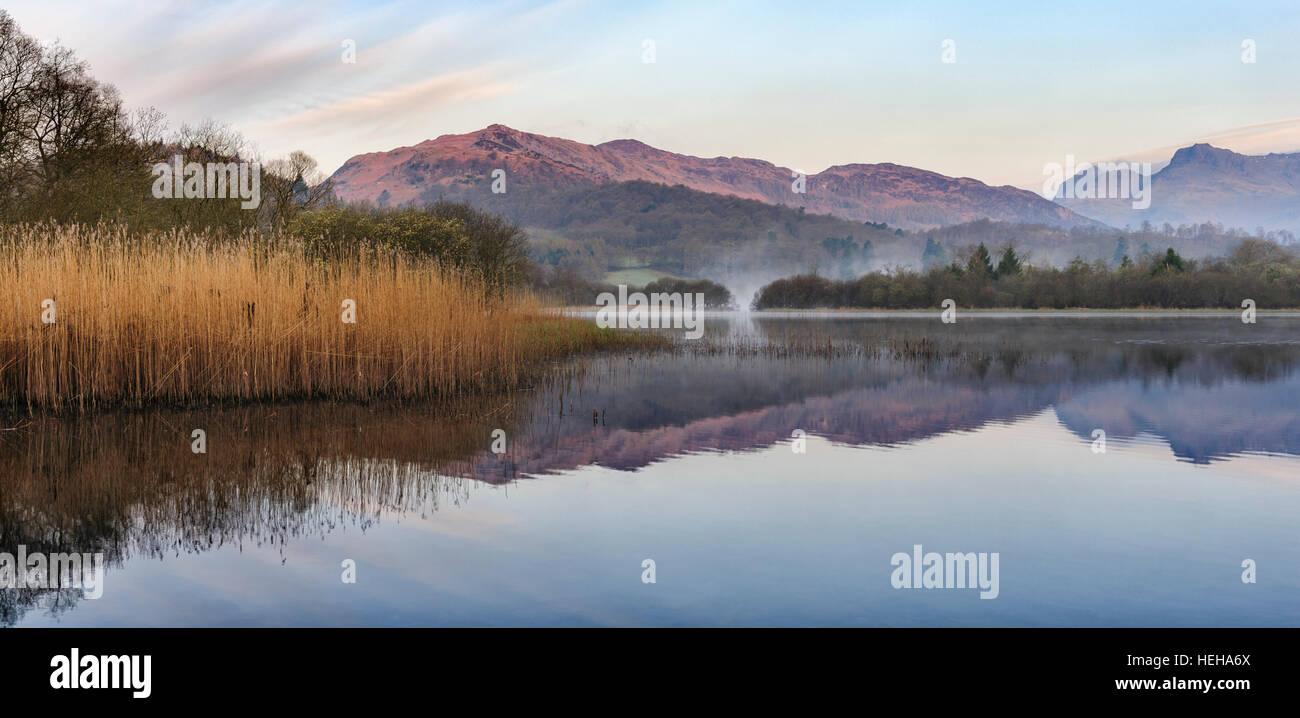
(623, 144)
(1201, 152)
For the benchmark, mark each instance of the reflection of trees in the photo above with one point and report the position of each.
(129, 484)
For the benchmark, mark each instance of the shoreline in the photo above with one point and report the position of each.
(1009, 311)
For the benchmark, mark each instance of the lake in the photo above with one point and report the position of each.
(772, 472)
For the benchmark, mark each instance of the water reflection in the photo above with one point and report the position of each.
(1209, 388)
(128, 485)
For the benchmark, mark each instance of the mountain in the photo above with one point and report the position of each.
(460, 167)
(1203, 183)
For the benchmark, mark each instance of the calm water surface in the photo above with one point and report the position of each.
(974, 437)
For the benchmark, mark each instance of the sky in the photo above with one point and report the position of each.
(802, 84)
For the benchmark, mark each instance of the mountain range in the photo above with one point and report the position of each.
(461, 167)
(626, 205)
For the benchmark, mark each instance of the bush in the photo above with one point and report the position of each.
(716, 296)
(805, 291)
(456, 236)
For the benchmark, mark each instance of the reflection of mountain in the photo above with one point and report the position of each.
(1207, 401)
(905, 410)
(1207, 423)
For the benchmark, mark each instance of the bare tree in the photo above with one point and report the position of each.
(20, 59)
(65, 142)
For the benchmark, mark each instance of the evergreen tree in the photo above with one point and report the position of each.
(980, 264)
(1121, 251)
(1171, 262)
(934, 255)
(1009, 265)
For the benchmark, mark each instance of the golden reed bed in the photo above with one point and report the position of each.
(176, 319)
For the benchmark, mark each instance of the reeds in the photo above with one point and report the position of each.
(179, 318)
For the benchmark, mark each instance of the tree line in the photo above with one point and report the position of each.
(1255, 269)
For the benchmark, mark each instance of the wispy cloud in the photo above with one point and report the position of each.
(1260, 138)
(394, 109)
(1254, 139)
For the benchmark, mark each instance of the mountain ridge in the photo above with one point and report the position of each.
(460, 165)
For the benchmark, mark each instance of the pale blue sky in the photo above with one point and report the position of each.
(802, 84)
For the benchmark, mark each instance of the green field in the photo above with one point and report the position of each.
(636, 277)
